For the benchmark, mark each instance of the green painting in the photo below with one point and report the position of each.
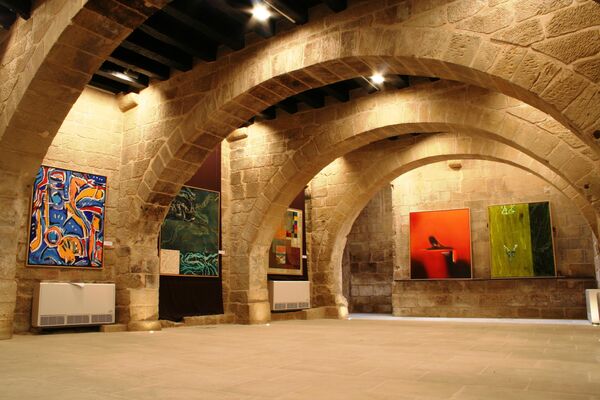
(521, 240)
(192, 227)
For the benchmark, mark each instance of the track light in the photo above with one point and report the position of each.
(261, 12)
(377, 79)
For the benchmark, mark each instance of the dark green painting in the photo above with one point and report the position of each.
(521, 240)
(192, 227)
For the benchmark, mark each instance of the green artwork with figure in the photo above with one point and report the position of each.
(192, 227)
(521, 240)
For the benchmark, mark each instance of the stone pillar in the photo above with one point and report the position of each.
(13, 188)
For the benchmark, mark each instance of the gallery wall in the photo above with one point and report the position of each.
(368, 261)
(473, 184)
(89, 140)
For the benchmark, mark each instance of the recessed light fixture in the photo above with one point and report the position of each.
(261, 12)
(377, 79)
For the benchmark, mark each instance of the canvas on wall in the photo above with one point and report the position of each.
(67, 219)
(521, 240)
(440, 244)
(285, 254)
(192, 226)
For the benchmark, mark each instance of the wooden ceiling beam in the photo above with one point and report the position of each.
(131, 60)
(290, 10)
(115, 73)
(7, 18)
(337, 5)
(108, 85)
(152, 48)
(168, 30)
(211, 23)
(21, 7)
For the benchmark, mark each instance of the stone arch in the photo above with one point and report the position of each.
(501, 47)
(363, 181)
(46, 63)
(430, 108)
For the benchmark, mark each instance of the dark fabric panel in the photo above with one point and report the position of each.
(188, 296)
(298, 203)
(541, 239)
(208, 175)
(181, 296)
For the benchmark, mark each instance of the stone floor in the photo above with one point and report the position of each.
(318, 359)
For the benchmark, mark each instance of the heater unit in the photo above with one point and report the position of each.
(73, 304)
(289, 295)
(592, 299)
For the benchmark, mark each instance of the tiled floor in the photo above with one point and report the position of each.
(319, 359)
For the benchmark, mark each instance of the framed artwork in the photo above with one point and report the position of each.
(285, 254)
(440, 244)
(66, 228)
(521, 240)
(192, 227)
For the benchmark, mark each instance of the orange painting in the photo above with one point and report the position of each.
(440, 244)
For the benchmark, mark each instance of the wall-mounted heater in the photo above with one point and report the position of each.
(592, 299)
(73, 304)
(289, 295)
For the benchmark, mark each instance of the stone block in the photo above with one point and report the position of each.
(144, 326)
(113, 328)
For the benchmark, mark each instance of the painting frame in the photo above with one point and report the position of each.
(410, 239)
(100, 267)
(219, 261)
(286, 271)
(491, 256)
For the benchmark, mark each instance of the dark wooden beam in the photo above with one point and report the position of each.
(289, 105)
(21, 7)
(397, 81)
(131, 60)
(313, 98)
(293, 10)
(116, 73)
(366, 84)
(166, 29)
(7, 18)
(211, 23)
(337, 5)
(268, 114)
(337, 92)
(157, 50)
(109, 85)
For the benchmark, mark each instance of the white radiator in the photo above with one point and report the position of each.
(67, 304)
(289, 295)
(592, 299)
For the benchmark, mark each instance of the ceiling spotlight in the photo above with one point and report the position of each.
(261, 12)
(377, 79)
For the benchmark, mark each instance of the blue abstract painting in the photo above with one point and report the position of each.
(67, 219)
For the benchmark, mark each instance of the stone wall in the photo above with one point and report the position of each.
(476, 184)
(493, 298)
(89, 140)
(368, 261)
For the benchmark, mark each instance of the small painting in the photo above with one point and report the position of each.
(66, 228)
(521, 240)
(192, 226)
(440, 244)
(285, 255)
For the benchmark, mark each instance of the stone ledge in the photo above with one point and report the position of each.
(137, 326)
(209, 320)
(113, 328)
(311, 313)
